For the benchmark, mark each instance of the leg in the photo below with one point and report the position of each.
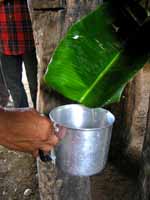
(12, 68)
(4, 94)
(30, 63)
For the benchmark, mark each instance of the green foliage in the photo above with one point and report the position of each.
(93, 63)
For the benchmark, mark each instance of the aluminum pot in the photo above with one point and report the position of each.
(83, 151)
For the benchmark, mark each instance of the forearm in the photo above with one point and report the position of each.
(6, 124)
(3, 126)
(24, 129)
(13, 123)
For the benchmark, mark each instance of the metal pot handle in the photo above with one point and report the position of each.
(43, 157)
(48, 157)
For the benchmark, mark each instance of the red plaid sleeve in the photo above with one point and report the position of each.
(16, 35)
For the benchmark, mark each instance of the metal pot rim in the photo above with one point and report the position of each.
(80, 129)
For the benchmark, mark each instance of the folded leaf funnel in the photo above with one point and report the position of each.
(93, 62)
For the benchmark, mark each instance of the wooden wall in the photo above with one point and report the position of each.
(51, 19)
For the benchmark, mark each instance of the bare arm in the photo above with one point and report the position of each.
(26, 130)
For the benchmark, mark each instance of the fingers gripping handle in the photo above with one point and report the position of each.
(51, 155)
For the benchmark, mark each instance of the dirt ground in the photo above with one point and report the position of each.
(18, 179)
(18, 173)
(112, 185)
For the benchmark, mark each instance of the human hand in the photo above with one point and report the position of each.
(25, 130)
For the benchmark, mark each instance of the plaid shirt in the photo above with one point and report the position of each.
(16, 35)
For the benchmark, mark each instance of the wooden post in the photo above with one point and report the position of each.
(144, 186)
(130, 127)
(51, 20)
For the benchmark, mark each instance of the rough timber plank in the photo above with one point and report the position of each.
(49, 26)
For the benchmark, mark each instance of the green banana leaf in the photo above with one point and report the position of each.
(92, 65)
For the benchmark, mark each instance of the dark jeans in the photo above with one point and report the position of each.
(12, 68)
